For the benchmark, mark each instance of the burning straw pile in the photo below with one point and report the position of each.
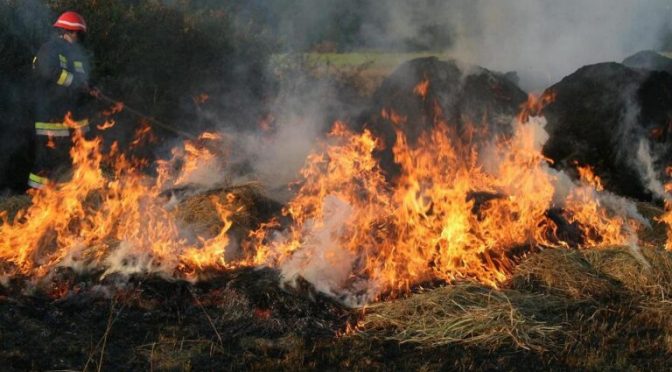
(541, 269)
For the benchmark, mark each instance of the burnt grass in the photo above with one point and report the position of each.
(243, 319)
(569, 309)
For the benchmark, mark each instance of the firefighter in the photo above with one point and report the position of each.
(61, 72)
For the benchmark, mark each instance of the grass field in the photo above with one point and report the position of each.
(368, 68)
(373, 62)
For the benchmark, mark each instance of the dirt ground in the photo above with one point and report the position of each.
(598, 309)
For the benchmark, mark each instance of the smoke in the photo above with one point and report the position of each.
(546, 40)
(321, 259)
(634, 147)
(273, 148)
(543, 40)
(647, 170)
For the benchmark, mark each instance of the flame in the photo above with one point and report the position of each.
(143, 135)
(194, 161)
(117, 107)
(666, 218)
(535, 104)
(201, 98)
(601, 227)
(392, 116)
(422, 88)
(109, 223)
(106, 125)
(457, 211)
(586, 175)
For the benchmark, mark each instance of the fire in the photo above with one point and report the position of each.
(601, 228)
(201, 98)
(457, 211)
(534, 105)
(194, 162)
(106, 125)
(666, 218)
(117, 107)
(422, 88)
(392, 116)
(106, 223)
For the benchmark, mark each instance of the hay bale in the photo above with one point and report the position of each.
(464, 313)
(649, 60)
(465, 96)
(601, 113)
(250, 206)
(652, 279)
(564, 272)
(656, 235)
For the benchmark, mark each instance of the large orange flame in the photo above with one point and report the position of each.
(115, 223)
(458, 210)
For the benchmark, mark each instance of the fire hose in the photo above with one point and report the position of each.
(109, 100)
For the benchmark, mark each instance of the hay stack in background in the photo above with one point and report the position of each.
(601, 115)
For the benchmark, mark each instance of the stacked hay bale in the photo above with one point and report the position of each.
(602, 114)
(465, 96)
(649, 60)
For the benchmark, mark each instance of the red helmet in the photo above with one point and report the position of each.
(71, 21)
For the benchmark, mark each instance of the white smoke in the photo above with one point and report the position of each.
(543, 40)
(321, 259)
(647, 170)
(635, 147)
(127, 260)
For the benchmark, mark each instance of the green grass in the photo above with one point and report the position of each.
(376, 62)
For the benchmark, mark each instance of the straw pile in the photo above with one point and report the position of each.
(602, 308)
(466, 314)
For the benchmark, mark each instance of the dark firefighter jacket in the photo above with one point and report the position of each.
(61, 79)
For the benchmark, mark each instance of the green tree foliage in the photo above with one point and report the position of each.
(147, 52)
(157, 52)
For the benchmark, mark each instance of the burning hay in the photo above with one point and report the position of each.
(473, 202)
(470, 98)
(199, 212)
(355, 235)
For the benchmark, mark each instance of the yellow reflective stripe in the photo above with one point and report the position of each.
(53, 133)
(61, 126)
(64, 61)
(79, 66)
(35, 178)
(51, 126)
(65, 79)
(34, 60)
